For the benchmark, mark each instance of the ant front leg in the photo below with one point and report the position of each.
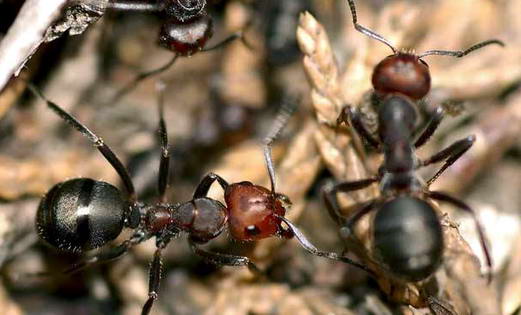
(450, 154)
(431, 127)
(349, 114)
(202, 189)
(225, 259)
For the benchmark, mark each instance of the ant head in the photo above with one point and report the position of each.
(188, 38)
(184, 10)
(253, 211)
(403, 73)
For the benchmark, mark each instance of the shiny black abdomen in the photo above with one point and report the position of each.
(80, 214)
(408, 237)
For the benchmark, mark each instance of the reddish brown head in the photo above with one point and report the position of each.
(252, 210)
(402, 73)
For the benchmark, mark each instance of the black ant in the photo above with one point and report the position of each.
(81, 214)
(407, 232)
(186, 29)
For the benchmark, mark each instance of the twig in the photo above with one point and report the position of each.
(25, 35)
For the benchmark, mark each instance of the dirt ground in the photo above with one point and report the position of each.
(219, 105)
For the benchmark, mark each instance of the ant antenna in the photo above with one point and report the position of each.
(461, 53)
(365, 30)
(285, 112)
(164, 163)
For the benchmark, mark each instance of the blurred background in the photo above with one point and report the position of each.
(219, 106)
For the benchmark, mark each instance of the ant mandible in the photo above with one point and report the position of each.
(185, 31)
(406, 230)
(81, 214)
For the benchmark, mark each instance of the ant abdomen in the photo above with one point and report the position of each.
(408, 237)
(184, 10)
(203, 218)
(402, 73)
(185, 39)
(253, 211)
(80, 214)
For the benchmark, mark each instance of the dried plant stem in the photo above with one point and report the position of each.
(25, 35)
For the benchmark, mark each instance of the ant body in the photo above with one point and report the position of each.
(186, 29)
(407, 234)
(82, 213)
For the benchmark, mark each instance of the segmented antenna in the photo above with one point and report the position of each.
(366, 31)
(461, 53)
(286, 110)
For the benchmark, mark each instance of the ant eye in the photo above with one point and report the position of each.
(252, 230)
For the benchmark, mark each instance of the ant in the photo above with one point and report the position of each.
(186, 29)
(81, 214)
(407, 233)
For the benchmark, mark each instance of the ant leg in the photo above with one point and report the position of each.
(329, 194)
(349, 114)
(205, 183)
(463, 206)
(237, 35)
(359, 213)
(153, 282)
(97, 141)
(164, 164)
(308, 246)
(440, 307)
(431, 127)
(134, 6)
(225, 259)
(450, 154)
(140, 77)
(108, 255)
(333, 208)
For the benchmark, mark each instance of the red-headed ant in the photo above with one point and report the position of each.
(407, 232)
(81, 214)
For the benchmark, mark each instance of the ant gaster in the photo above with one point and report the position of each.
(407, 233)
(82, 213)
(185, 30)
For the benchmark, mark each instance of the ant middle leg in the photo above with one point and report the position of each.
(329, 195)
(225, 259)
(450, 154)
(430, 128)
